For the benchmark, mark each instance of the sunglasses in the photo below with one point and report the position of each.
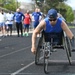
(52, 19)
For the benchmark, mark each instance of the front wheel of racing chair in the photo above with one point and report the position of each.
(47, 54)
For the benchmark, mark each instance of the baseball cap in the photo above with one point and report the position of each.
(52, 13)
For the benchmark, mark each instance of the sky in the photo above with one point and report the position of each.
(69, 2)
(24, 0)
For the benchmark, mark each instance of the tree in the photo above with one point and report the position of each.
(59, 5)
(9, 4)
(47, 4)
(69, 14)
(66, 11)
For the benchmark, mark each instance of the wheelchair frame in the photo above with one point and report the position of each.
(46, 49)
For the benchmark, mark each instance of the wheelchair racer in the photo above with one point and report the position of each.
(52, 24)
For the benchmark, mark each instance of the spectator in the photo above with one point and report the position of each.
(36, 18)
(2, 23)
(40, 13)
(61, 17)
(9, 23)
(27, 20)
(19, 16)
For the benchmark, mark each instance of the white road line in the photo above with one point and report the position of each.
(14, 52)
(18, 71)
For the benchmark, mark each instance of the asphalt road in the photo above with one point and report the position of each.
(16, 59)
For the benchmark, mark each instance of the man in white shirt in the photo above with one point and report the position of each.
(9, 23)
(2, 22)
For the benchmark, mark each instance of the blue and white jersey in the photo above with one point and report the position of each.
(36, 16)
(18, 17)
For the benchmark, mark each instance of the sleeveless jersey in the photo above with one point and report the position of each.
(56, 28)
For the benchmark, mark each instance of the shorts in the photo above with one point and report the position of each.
(36, 24)
(26, 26)
(2, 24)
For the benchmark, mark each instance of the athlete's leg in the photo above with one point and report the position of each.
(17, 27)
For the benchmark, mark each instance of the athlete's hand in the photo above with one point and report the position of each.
(33, 50)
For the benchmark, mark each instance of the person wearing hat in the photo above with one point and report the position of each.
(52, 24)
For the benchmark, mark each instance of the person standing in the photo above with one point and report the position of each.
(19, 17)
(2, 23)
(26, 22)
(36, 18)
(40, 14)
(61, 17)
(9, 23)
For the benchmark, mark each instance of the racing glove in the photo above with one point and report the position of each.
(72, 44)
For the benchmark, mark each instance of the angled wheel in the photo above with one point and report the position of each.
(68, 45)
(67, 50)
(37, 56)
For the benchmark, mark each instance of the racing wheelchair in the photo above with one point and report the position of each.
(46, 45)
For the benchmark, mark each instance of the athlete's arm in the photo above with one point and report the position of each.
(67, 30)
(34, 35)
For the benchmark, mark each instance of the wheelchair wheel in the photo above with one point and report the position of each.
(38, 52)
(37, 56)
(47, 53)
(46, 61)
(68, 45)
(67, 50)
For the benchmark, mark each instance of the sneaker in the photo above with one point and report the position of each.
(23, 34)
(18, 35)
(27, 34)
(73, 44)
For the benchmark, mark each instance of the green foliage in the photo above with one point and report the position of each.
(9, 4)
(66, 11)
(59, 5)
(47, 4)
(69, 14)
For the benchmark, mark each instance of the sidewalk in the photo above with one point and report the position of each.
(15, 32)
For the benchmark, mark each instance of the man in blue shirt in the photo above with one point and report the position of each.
(52, 24)
(36, 17)
(18, 17)
(61, 17)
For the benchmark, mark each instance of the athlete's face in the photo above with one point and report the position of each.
(53, 21)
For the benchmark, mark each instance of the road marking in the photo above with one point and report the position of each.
(18, 71)
(0, 39)
(15, 51)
